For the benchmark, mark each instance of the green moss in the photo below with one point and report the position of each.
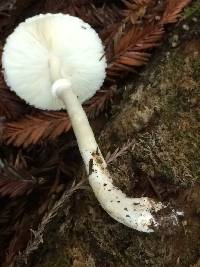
(173, 141)
(193, 10)
(59, 261)
(196, 69)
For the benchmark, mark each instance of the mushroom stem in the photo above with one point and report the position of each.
(142, 214)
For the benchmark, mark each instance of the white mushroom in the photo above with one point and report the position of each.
(56, 61)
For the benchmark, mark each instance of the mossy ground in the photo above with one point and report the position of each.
(160, 115)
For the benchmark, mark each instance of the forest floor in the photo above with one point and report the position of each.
(151, 137)
(154, 134)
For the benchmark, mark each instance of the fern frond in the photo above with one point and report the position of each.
(173, 10)
(130, 50)
(192, 10)
(35, 128)
(15, 188)
(32, 129)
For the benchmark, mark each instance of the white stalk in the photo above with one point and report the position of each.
(142, 214)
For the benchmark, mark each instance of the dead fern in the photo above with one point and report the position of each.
(173, 10)
(98, 17)
(32, 129)
(130, 50)
(119, 152)
(15, 188)
(15, 180)
(99, 102)
(136, 10)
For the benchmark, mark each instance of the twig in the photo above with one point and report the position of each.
(33, 244)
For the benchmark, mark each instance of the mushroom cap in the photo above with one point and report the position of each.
(48, 47)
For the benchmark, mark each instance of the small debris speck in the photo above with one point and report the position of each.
(186, 27)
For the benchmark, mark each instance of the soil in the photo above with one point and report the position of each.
(156, 126)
